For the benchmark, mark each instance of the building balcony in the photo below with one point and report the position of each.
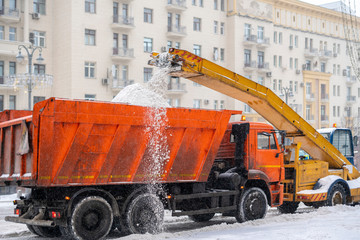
(263, 43)
(324, 97)
(350, 99)
(118, 84)
(9, 48)
(122, 22)
(325, 54)
(351, 80)
(176, 31)
(250, 40)
(310, 119)
(324, 119)
(176, 5)
(250, 66)
(9, 15)
(176, 88)
(310, 97)
(122, 54)
(311, 53)
(263, 67)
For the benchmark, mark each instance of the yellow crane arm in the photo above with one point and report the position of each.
(261, 99)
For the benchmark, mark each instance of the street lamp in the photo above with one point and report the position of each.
(287, 92)
(30, 52)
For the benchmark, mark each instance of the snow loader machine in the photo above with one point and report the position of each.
(328, 177)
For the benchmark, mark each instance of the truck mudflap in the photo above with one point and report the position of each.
(37, 220)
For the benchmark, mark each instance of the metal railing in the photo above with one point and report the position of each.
(177, 29)
(176, 87)
(177, 3)
(9, 12)
(121, 83)
(250, 38)
(263, 66)
(123, 52)
(251, 64)
(123, 20)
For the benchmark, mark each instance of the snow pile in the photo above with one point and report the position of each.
(354, 183)
(324, 183)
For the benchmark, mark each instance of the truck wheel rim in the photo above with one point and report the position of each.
(337, 198)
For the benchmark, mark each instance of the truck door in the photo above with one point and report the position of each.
(268, 155)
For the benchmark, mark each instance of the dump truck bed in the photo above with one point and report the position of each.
(262, 100)
(91, 143)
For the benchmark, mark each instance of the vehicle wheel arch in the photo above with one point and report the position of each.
(79, 195)
(342, 183)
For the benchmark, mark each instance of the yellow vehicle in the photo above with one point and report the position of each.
(327, 178)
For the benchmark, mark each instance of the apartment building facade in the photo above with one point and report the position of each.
(93, 49)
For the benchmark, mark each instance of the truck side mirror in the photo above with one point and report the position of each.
(355, 141)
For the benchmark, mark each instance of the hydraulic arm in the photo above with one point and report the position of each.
(258, 97)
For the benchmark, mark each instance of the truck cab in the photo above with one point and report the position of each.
(342, 139)
(254, 151)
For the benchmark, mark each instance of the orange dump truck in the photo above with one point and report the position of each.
(91, 167)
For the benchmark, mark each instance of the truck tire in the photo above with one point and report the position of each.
(336, 196)
(202, 217)
(252, 205)
(48, 232)
(31, 229)
(91, 218)
(144, 214)
(288, 207)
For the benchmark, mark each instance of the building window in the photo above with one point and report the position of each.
(148, 15)
(222, 104)
(247, 57)
(247, 31)
(12, 68)
(261, 80)
(89, 69)
(260, 33)
(90, 6)
(308, 65)
(291, 40)
(296, 41)
(201, 3)
(215, 4)
(39, 7)
(39, 39)
(1, 72)
(197, 49)
(247, 108)
(215, 27)
(2, 33)
(280, 85)
(39, 69)
(306, 43)
(291, 63)
(177, 45)
(275, 37)
(215, 104)
(275, 61)
(274, 84)
(38, 99)
(296, 63)
(1, 102)
(194, 2)
(169, 44)
(222, 54)
(334, 111)
(12, 102)
(12, 34)
(260, 59)
(296, 87)
(90, 97)
(197, 24)
(308, 112)
(148, 44)
(222, 28)
(90, 37)
(280, 61)
(322, 67)
(196, 103)
(222, 5)
(215, 54)
(280, 38)
(147, 74)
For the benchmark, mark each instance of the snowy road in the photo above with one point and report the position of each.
(339, 222)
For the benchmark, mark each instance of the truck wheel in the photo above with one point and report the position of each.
(202, 217)
(336, 196)
(251, 205)
(49, 232)
(144, 214)
(91, 218)
(288, 207)
(31, 229)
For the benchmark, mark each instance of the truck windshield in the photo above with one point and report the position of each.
(342, 141)
(266, 141)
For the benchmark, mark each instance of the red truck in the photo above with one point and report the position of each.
(87, 165)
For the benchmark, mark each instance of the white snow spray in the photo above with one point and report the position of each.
(152, 95)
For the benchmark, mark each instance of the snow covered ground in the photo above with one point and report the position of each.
(339, 222)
